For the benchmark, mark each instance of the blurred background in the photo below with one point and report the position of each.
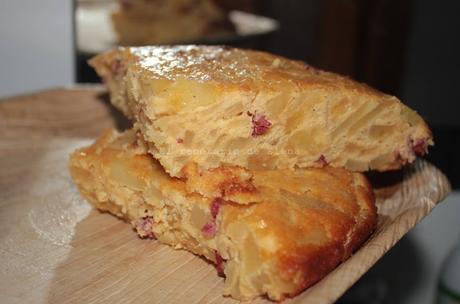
(407, 48)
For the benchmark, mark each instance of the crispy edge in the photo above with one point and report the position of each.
(232, 183)
(318, 261)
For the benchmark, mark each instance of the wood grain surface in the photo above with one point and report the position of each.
(55, 249)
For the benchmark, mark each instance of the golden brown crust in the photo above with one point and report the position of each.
(306, 223)
(334, 200)
(226, 67)
(231, 183)
(314, 262)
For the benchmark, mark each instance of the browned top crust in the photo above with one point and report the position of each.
(229, 66)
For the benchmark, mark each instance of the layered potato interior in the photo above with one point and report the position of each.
(216, 106)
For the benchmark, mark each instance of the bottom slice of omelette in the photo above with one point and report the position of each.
(307, 222)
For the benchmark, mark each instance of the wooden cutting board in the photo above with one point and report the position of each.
(55, 249)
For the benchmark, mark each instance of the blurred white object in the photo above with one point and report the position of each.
(249, 24)
(36, 48)
(433, 238)
(94, 28)
(95, 32)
